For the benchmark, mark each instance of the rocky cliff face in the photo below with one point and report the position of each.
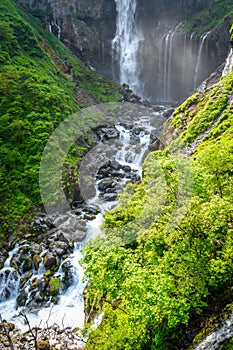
(86, 27)
(170, 63)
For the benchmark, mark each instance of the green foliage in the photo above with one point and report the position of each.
(36, 94)
(168, 245)
(199, 112)
(211, 18)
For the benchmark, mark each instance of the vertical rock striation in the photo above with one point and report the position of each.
(150, 53)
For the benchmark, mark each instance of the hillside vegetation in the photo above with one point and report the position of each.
(210, 19)
(41, 85)
(165, 263)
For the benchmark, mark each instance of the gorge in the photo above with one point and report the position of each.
(167, 53)
(164, 258)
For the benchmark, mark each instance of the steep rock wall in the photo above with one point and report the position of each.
(86, 27)
(170, 64)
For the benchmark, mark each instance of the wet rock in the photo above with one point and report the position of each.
(89, 216)
(110, 197)
(36, 261)
(115, 165)
(62, 238)
(75, 234)
(27, 264)
(50, 260)
(40, 284)
(117, 174)
(92, 210)
(126, 168)
(43, 345)
(129, 157)
(22, 298)
(67, 280)
(54, 284)
(35, 248)
(24, 278)
(104, 184)
(15, 261)
(168, 112)
(38, 297)
(43, 223)
(59, 248)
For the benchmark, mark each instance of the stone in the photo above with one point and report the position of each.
(92, 210)
(43, 345)
(115, 165)
(89, 216)
(36, 261)
(41, 284)
(21, 298)
(110, 197)
(50, 260)
(104, 184)
(126, 168)
(54, 284)
(27, 264)
(24, 278)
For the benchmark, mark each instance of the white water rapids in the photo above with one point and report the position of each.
(126, 43)
(69, 311)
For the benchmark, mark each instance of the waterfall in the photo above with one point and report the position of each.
(199, 58)
(126, 42)
(168, 63)
(53, 24)
(229, 64)
(26, 287)
(218, 337)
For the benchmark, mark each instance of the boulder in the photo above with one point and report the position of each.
(36, 261)
(115, 165)
(21, 298)
(104, 184)
(50, 260)
(126, 168)
(54, 284)
(109, 197)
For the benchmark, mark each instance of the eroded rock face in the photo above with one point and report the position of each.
(86, 27)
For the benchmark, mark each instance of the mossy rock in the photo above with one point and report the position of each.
(36, 261)
(43, 345)
(48, 273)
(25, 278)
(54, 284)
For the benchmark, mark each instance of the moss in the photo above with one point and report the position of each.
(210, 18)
(54, 284)
(36, 261)
(43, 345)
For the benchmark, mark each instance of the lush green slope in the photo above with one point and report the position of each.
(41, 85)
(212, 18)
(167, 250)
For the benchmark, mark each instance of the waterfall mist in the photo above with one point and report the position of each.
(154, 57)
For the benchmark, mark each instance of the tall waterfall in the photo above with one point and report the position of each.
(229, 64)
(199, 58)
(125, 44)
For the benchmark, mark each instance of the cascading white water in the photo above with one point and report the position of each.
(126, 42)
(229, 64)
(218, 337)
(167, 63)
(199, 57)
(69, 311)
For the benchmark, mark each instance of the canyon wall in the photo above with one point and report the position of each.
(170, 64)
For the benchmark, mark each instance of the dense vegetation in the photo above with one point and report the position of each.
(41, 85)
(168, 247)
(212, 18)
